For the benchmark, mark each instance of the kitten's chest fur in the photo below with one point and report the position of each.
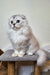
(17, 37)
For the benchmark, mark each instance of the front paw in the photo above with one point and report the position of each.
(21, 54)
(14, 54)
(30, 53)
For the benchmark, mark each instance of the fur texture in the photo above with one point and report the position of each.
(42, 57)
(22, 38)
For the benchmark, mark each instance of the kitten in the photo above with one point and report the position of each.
(21, 36)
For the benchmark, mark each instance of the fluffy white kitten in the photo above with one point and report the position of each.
(22, 38)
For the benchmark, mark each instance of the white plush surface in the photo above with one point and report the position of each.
(47, 48)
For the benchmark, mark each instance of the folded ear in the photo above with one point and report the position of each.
(23, 17)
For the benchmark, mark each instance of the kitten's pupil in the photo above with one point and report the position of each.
(11, 22)
(18, 21)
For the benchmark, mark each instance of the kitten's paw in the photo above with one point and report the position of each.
(21, 54)
(29, 53)
(14, 54)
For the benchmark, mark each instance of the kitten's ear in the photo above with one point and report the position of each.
(23, 17)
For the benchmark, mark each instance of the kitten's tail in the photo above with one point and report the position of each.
(42, 57)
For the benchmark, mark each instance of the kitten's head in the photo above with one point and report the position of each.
(17, 21)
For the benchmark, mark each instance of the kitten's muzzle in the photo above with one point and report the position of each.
(18, 21)
(14, 24)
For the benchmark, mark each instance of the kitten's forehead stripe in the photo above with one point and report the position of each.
(14, 16)
(18, 16)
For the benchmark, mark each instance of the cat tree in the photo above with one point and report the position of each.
(20, 61)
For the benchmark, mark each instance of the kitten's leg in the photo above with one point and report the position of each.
(32, 50)
(21, 53)
(15, 53)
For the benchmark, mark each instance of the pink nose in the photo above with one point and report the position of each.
(14, 24)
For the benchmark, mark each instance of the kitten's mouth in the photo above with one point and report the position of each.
(14, 27)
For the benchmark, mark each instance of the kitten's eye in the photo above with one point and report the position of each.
(11, 22)
(17, 21)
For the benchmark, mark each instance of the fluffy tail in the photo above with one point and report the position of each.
(42, 57)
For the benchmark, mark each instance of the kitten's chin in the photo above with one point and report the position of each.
(16, 28)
